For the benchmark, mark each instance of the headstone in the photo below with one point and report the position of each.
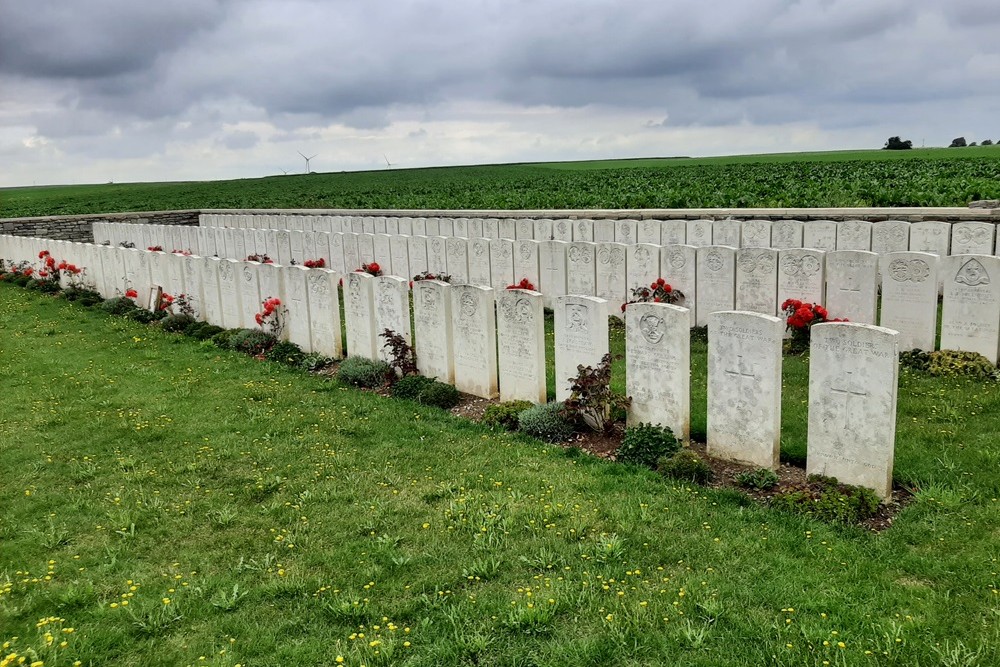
(249, 289)
(479, 262)
(297, 239)
(229, 295)
(399, 256)
(909, 298)
(521, 344)
(972, 238)
(476, 228)
(757, 280)
(212, 311)
(716, 281)
(392, 226)
(853, 377)
(406, 227)
(648, 232)
(970, 314)
(611, 276)
(359, 315)
(727, 232)
(324, 313)
(524, 229)
(543, 229)
(642, 265)
(626, 231)
(474, 340)
(699, 233)
(820, 234)
(658, 366)
(417, 250)
(562, 230)
(552, 270)
(284, 254)
(604, 231)
(437, 258)
(352, 254)
(432, 329)
(392, 311)
(786, 234)
(677, 264)
(457, 251)
(505, 228)
(383, 255)
(501, 263)
(297, 325)
(368, 225)
(890, 236)
(461, 228)
(581, 337)
(673, 232)
(491, 228)
(744, 387)
(366, 248)
(526, 264)
(854, 235)
(433, 227)
(381, 225)
(446, 227)
(756, 234)
(583, 230)
(581, 276)
(852, 285)
(930, 236)
(801, 276)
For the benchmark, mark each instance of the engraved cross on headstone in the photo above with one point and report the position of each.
(848, 388)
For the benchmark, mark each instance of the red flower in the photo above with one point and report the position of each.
(654, 285)
(411, 284)
(43, 274)
(131, 294)
(667, 288)
(374, 267)
(623, 307)
(44, 253)
(50, 261)
(259, 318)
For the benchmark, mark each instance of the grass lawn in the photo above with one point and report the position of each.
(178, 505)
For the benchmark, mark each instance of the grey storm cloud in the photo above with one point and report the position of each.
(157, 72)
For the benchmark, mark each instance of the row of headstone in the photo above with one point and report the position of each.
(884, 236)
(493, 343)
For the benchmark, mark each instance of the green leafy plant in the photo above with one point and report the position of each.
(362, 372)
(504, 415)
(645, 444)
(759, 478)
(202, 330)
(145, 316)
(286, 352)
(546, 422)
(591, 402)
(176, 323)
(427, 391)
(252, 341)
(686, 466)
(823, 498)
(118, 305)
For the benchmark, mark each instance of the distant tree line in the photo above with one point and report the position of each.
(897, 144)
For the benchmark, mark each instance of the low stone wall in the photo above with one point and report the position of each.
(81, 227)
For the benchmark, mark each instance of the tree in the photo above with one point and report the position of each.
(958, 143)
(986, 142)
(897, 144)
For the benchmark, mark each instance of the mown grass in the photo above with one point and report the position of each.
(922, 177)
(250, 514)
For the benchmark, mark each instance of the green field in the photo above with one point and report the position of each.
(921, 177)
(174, 504)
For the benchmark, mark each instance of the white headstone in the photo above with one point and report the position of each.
(658, 366)
(909, 298)
(677, 266)
(399, 257)
(854, 235)
(229, 294)
(727, 232)
(930, 236)
(562, 230)
(505, 228)
(716, 281)
(359, 315)
(642, 265)
(432, 329)
(392, 311)
(744, 387)
(756, 234)
(800, 275)
(366, 248)
(890, 236)
(699, 233)
(853, 377)
(491, 228)
(249, 288)
(324, 313)
(437, 258)
(611, 276)
(673, 232)
(526, 263)
(820, 234)
(479, 262)
(501, 263)
(417, 250)
(970, 315)
(604, 231)
(457, 250)
(552, 270)
(786, 234)
(757, 280)
(583, 230)
(581, 337)
(972, 238)
(626, 231)
(524, 229)
(521, 344)
(581, 276)
(297, 325)
(852, 285)
(476, 228)
(383, 254)
(649, 232)
(446, 227)
(474, 340)
(211, 301)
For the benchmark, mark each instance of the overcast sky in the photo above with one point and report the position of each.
(126, 90)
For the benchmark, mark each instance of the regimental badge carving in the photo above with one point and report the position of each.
(652, 328)
(784, 235)
(612, 256)
(971, 235)
(676, 260)
(501, 250)
(226, 271)
(913, 270)
(626, 230)
(576, 317)
(517, 310)
(714, 261)
(468, 305)
(972, 273)
(524, 250)
(699, 232)
(642, 256)
(804, 265)
(319, 286)
(581, 227)
(561, 228)
(478, 248)
(429, 299)
(581, 253)
(247, 275)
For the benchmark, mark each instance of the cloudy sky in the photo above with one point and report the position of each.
(125, 90)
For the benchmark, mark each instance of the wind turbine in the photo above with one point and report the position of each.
(388, 165)
(283, 171)
(307, 160)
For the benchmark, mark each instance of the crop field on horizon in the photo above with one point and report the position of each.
(921, 177)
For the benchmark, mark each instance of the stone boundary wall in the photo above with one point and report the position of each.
(80, 227)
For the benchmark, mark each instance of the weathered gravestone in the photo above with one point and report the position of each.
(526, 263)
(229, 295)
(649, 232)
(521, 343)
(642, 265)
(581, 276)
(909, 298)
(417, 251)
(786, 234)
(930, 236)
(324, 313)
(852, 285)
(626, 231)
(727, 232)
(581, 337)
(359, 315)
(479, 262)
(249, 290)
(501, 263)
(432, 329)
(820, 234)
(392, 312)
(970, 314)
(854, 235)
(677, 264)
(699, 233)
(399, 256)
(757, 280)
(853, 377)
(457, 250)
(673, 232)
(212, 313)
(583, 230)
(744, 387)
(890, 236)
(297, 302)
(611, 275)
(800, 275)
(756, 234)
(716, 278)
(474, 340)
(972, 238)
(658, 366)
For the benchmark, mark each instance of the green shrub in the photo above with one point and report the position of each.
(761, 479)
(504, 415)
(314, 361)
(425, 390)
(119, 305)
(20, 280)
(410, 387)
(47, 286)
(362, 372)
(177, 323)
(252, 341)
(546, 422)
(145, 316)
(917, 360)
(591, 402)
(645, 444)
(201, 330)
(686, 466)
(952, 363)
(223, 339)
(826, 500)
(699, 334)
(285, 352)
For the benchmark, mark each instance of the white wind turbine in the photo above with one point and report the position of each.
(307, 160)
(388, 165)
